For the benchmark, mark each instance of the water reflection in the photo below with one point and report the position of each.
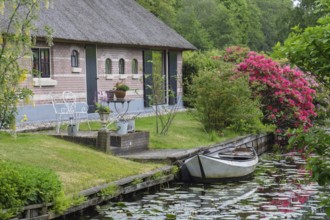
(279, 190)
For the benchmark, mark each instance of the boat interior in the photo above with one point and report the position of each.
(239, 153)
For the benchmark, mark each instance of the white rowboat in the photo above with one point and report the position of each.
(228, 163)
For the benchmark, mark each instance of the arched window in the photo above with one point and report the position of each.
(121, 66)
(108, 66)
(74, 59)
(134, 66)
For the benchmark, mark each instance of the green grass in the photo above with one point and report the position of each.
(77, 166)
(80, 167)
(185, 132)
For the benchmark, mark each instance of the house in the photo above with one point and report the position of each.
(98, 43)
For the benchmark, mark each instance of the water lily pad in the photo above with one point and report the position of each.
(282, 193)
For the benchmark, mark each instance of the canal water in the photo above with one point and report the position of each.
(279, 189)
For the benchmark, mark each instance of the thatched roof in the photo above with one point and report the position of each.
(120, 22)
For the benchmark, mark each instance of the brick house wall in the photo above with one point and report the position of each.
(65, 78)
(61, 72)
(134, 81)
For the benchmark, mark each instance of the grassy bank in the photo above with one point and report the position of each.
(78, 167)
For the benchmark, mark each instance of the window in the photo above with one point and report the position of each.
(74, 59)
(121, 66)
(108, 66)
(41, 61)
(134, 66)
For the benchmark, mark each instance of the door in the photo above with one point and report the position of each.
(159, 77)
(172, 77)
(154, 80)
(91, 77)
(147, 77)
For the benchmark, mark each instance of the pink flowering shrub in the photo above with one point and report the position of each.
(235, 54)
(285, 95)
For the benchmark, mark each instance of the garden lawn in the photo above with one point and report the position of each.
(78, 167)
(185, 132)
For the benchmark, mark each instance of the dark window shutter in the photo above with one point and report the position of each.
(147, 77)
(172, 77)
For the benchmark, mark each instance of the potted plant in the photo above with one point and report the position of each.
(121, 89)
(122, 127)
(110, 95)
(131, 122)
(103, 110)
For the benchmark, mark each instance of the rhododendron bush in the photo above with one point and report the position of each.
(286, 96)
(235, 54)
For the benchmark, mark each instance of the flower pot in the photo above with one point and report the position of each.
(122, 127)
(120, 94)
(110, 95)
(104, 116)
(72, 130)
(131, 125)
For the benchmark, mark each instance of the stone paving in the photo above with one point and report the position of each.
(170, 155)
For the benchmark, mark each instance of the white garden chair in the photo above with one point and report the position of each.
(69, 99)
(81, 113)
(61, 112)
(77, 110)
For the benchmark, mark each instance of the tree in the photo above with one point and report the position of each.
(16, 40)
(191, 28)
(309, 48)
(246, 19)
(219, 23)
(307, 12)
(275, 21)
(165, 10)
(255, 36)
(210, 24)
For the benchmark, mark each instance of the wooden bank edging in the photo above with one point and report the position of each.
(95, 196)
(260, 142)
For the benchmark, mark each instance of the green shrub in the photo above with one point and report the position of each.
(322, 104)
(189, 70)
(202, 60)
(198, 61)
(24, 185)
(224, 101)
(195, 62)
